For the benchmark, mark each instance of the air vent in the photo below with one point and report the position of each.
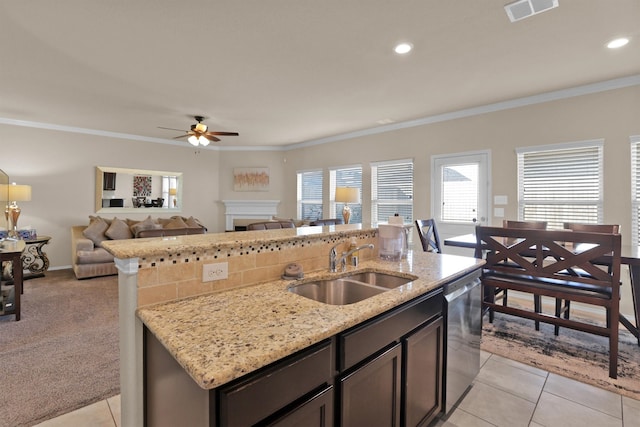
(525, 8)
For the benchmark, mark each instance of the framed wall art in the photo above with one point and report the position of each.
(250, 179)
(141, 186)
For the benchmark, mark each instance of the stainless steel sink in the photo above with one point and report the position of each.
(349, 289)
(380, 279)
(336, 291)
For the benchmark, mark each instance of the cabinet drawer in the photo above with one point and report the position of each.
(262, 394)
(365, 340)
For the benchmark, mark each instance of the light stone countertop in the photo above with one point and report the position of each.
(219, 337)
(154, 246)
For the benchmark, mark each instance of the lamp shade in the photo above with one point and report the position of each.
(173, 191)
(347, 195)
(19, 193)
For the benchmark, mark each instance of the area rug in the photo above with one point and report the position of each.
(573, 354)
(63, 353)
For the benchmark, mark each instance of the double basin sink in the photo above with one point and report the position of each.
(348, 289)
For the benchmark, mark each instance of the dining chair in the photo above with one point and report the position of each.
(564, 308)
(534, 225)
(429, 237)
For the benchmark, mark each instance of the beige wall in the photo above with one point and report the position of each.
(60, 165)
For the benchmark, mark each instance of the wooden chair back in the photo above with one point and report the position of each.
(593, 228)
(327, 221)
(428, 233)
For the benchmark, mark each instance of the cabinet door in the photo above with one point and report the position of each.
(371, 394)
(423, 374)
(315, 412)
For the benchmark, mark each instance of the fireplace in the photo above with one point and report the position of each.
(260, 210)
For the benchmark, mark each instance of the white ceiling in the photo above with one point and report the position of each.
(284, 72)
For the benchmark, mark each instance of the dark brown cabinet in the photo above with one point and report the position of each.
(316, 411)
(423, 376)
(370, 396)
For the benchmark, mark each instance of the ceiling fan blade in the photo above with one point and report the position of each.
(211, 137)
(179, 130)
(182, 136)
(223, 133)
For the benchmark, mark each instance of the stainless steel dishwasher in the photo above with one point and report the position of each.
(463, 310)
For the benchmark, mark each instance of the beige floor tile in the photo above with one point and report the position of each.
(484, 356)
(511, 379)
(630, 412)
(553, 410)
(532, 424)
(585, 394)
(114, 406)
(460, 418)
(96, 415)
(497, 407)
(524, 367)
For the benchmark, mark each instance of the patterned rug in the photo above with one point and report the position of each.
(573, 354)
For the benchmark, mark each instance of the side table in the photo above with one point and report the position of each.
(33, 258)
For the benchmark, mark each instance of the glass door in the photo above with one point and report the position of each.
(460, 189)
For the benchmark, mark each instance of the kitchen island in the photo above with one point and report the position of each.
(221, 338)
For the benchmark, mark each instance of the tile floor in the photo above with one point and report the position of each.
(505, 393)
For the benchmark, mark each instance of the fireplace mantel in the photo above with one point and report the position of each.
(249, 209)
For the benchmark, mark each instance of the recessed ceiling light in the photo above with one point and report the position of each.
(403, 48)
(614, 44)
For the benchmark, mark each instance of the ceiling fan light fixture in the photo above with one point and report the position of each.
(200, 127)
(203, 141)
(193, 140)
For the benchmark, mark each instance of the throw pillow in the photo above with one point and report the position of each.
(147, 224)
(95, 231)
(176, 223)
(118, 230)
(193, 223)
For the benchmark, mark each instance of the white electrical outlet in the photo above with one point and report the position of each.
(217, 271)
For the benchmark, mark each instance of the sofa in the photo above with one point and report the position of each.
(90, 259)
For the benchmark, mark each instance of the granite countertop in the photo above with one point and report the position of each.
(219, 337)
(154, 246)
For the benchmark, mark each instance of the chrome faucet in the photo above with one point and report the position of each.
(345, 255)
(333, 256)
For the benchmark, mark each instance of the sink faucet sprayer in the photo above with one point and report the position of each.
(333, 257)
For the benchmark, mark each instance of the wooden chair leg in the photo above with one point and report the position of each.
(537, 307)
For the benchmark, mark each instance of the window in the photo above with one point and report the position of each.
(346, 177)
(310, 194)
(392, 190)
(635, 190)
(561, 183)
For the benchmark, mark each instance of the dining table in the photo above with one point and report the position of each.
(629, 255)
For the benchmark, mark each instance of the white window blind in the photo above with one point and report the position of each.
(346, 177)
(309, 199)
(392, 190)
(635, 190)
(460, 193)
(561, 183)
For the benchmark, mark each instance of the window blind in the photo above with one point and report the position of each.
(561, 184)
(392, 190)
(309, 199)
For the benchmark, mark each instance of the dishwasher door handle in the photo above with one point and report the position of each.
(462, 290)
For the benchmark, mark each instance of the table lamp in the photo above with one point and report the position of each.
(174, 192)
(17, 193)
(347, 195)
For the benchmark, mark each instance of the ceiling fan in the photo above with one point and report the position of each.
(199, 135)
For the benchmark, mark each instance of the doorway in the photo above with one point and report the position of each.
(460, 189)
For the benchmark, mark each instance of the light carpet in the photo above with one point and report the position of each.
(573, 354)
(63, 353)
